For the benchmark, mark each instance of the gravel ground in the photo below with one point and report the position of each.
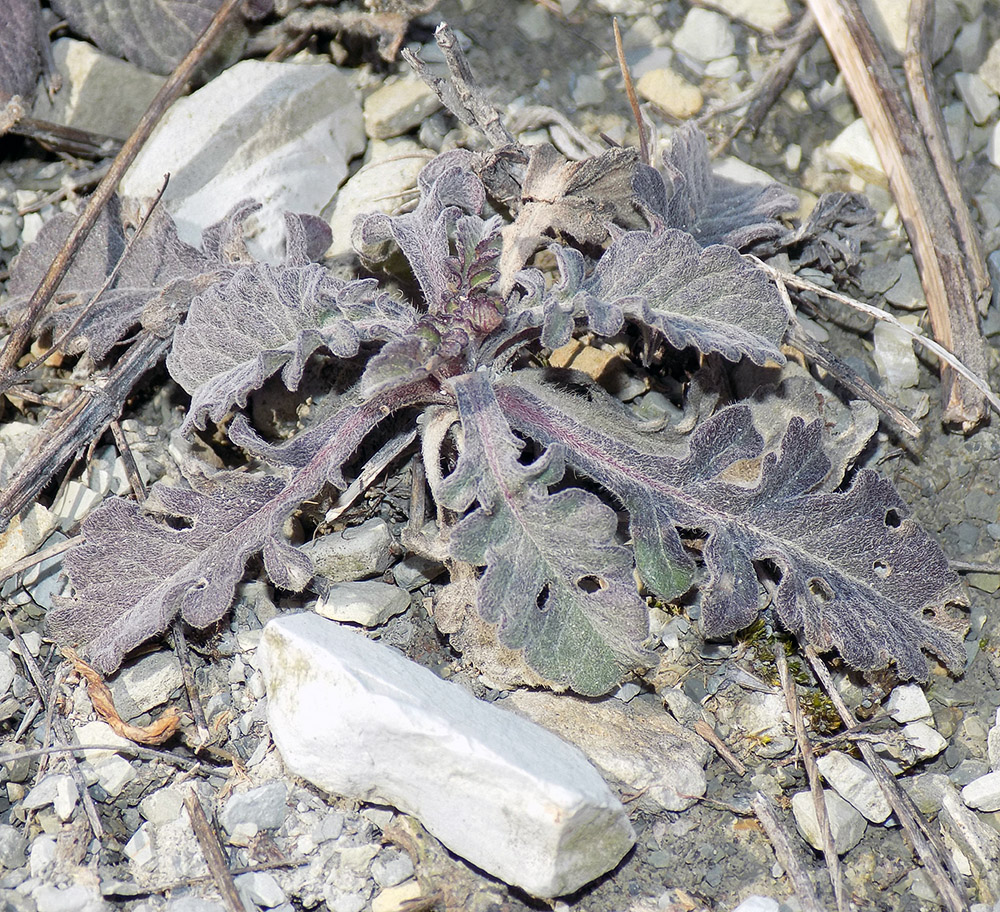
(345, 856)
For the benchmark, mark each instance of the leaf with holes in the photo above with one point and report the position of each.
(556, 582)
(853, 571)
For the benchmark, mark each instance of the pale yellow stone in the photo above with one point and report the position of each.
(670, 92)
(395, 899)
(24, 534)
(592, 361)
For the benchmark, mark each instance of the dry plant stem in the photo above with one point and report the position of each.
(208, 841)
(90, 413)
(128, 460)
(826, 359)
(143, 753)
(80, 143)
(922, 202)
(170, 90)
(25, 372)
(950, 359)
(773, 82)
(812, 773)
(630, 92)
(244, 869)
(919, 78)
(184, 657)
(783, 851)
(707, 733)
(393, 448)
(924, 841)
(26, 563)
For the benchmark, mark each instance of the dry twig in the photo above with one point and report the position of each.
(783, 851)
(211, 848)
(812, 773)
(923, 205)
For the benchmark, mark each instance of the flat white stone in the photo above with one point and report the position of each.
(261, 888)
(74, 504)
(966, 832)
(353, 553)
(979, 99)
(856, 784)
(993, 743)
(766, 15)
(113, 774)
(989, 69)
(7, 672)
(100, 93)
(281, 133)
(398, 107)
(847, 826)
(359, 719)
(853, 150)
(369, 602)
(758, 904)
(927, 742)
(382, 184)
(704, 35)
(57, 789)
(993, 146)
(983, 794)
(894, 357)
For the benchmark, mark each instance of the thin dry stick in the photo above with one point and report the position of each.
(917, 66)
(24, 373)
(785, 854)
(706, 732)
(924, 841)
(930, 344)
(169, 91)
(375, 467)
(184, 657)
(143, 753)
(773, 83)
(208, 840)
(812, 773)
(128, 460)
(26, 563)
(923, 206)
(630, 92)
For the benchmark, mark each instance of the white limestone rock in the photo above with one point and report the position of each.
(352, 554)
(965, 832)
(704, 35)
(847, 826)
(856, 784)
(979, 99)
(399, 106)
(853, 150)
(983, 794)
(766, 15)
(993, 744)
(100, 93)
(369, 603)
(908, 703)
(359, 719)
(281, 133)
(386, 180)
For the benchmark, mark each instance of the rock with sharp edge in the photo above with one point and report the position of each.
(359, 719)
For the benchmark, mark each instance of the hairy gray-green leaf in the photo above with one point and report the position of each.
(556, 582)
(855, 572)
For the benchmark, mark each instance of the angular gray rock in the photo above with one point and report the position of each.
(359, 719)
(846, 825)
(353, 553)
(281, 133)
(856, 784)
(368, 602)
(635, 743)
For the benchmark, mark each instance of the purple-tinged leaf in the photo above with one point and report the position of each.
(159, 266)
(21, 32)
(447, 189)
(263, 318)
(714, 209)
(856, 573)
(709, 298)
(184, 551)
(153, 34)
(556, 582)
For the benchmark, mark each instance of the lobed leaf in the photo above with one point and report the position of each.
(856, 573)
(708, 298)
(556, 582)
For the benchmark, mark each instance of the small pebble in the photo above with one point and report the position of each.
(670, 92)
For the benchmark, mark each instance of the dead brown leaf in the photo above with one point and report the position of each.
(157, 732)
